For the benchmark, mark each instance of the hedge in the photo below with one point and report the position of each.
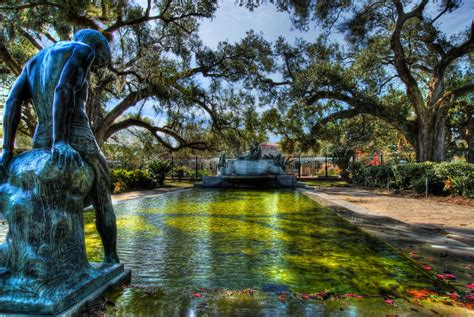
(447, 178)
(123, 179)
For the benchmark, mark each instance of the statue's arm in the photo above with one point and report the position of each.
(73, 77)
(12, 114)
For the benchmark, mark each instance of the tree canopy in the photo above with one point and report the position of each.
(160, 69)
(394, 63)
(384, 59)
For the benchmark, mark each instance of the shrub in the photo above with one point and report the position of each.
(371, 176)
(413, 177)
(446, 178)
(204, 173)
(159, 170)
(181, 171)
(457, 177)
(123, 179)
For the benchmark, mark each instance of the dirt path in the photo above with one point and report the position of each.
(447, 219)
(144, 193)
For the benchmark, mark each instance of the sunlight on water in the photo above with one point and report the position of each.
(230, 252)
(239, 239)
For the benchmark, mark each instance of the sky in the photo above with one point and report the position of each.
(231, 22)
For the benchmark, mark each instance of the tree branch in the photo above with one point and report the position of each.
(6, 57)
(129, 101)
(343, 114)
(401, 65)
(437, 81)
(31, 6)
(154, 130)
(454, 94)
(30, 38)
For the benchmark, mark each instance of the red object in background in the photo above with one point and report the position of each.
(375, 160)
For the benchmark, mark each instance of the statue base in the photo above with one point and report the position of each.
(44, 268)
(268, 181)
(75, 301)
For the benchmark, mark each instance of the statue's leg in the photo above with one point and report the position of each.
(102, 202)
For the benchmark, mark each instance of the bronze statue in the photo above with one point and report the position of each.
(56, 81)
(255, 153)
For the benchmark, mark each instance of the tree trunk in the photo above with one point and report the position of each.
(430, 141)
(470, 138)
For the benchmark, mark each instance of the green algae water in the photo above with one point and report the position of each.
(204, 252)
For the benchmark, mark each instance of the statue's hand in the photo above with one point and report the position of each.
(65, 156)
(7, 156)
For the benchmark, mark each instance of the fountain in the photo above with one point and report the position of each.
(252, 169)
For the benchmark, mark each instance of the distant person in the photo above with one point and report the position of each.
(56, 80)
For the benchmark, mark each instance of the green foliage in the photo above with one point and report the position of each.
(204, 173)
(413, 177)
(123, 179)
(458, 177)
(182, 171)
(160, 169)
(447, 178)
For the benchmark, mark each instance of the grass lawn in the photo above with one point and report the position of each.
(325, 183)
(179, 184)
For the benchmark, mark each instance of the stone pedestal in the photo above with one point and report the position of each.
(44, 268)
(269, 181)
(261, 167)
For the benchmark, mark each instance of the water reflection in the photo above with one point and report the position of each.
(179, 243)
(240, 239)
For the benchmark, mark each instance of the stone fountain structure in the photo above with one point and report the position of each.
(252, 169)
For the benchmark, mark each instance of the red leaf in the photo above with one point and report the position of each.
(421, 293)
(471, 297)
(353, 295)
(470, 285)
(197, 295)
(427, 267)
(305, 296)
(389, 301)
(446, 276)
(454, 296)
(282, 297)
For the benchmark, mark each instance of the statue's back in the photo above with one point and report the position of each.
(44, 71)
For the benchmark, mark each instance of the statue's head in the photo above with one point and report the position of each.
(98, 43)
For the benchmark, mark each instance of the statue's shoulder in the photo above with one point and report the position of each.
(75, 49)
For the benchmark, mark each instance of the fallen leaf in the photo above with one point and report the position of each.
(427, 267)
(389, 301)
(305, 296)
(470, 285)
(471, 297)
(353, 295)
(282, 297)
(197, 295)
(420, 293)
(446, 276)
(454, 296)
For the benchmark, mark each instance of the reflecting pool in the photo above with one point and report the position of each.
(249, 252)
(257, 253)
